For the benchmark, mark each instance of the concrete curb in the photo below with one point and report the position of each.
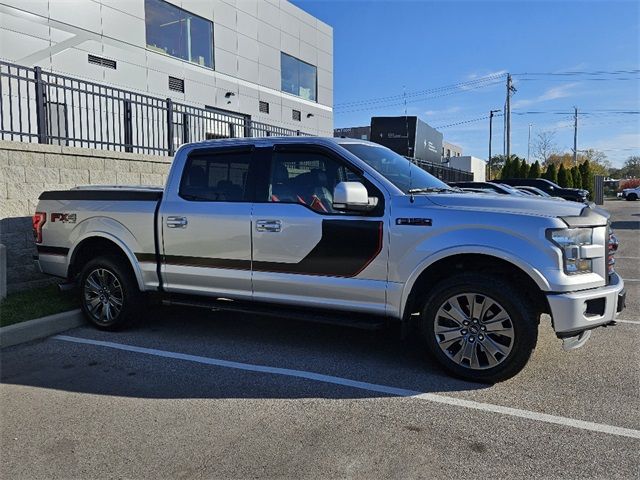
(40, 328)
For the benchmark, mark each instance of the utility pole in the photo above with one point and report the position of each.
(529, 144)
(575, 135)
(510, 90)
(491, 112)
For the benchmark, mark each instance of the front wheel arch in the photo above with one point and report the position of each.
(467, 263)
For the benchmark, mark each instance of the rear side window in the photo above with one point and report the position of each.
(216, 177)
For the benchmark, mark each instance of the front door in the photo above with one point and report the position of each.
(207, 226)
(307, 253)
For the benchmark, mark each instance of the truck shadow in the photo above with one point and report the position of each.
(377, 357)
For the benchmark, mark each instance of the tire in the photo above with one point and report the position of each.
(479, 347)
(109, 294)
(632, 197)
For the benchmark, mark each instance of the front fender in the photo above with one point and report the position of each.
(112, 230)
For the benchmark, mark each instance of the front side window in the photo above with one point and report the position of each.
(178, 33)
(298, 78)
(307, 178)
(216, 177)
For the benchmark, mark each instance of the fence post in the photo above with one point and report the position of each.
(128, 126)
(297, 133)
(185, 128)
(170, 146)
(41, 116)
(248, 127)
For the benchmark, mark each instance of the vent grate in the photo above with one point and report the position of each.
(176, 84)
(103, 62)
(264, 107)
(296, 115)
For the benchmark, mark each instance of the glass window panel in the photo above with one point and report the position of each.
(298, 78)
(178, 33)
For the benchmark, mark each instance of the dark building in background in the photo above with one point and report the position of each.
(361, 133)
(408, 136)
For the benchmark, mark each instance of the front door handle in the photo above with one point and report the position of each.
(177, 222)
(268, 225)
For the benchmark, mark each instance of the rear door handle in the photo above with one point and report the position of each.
(177, 222)
(268, 225)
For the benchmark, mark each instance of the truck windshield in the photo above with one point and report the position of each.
(398, 170)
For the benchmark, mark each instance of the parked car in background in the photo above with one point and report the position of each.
(537, 192)
(631, 194)
(489, 187)
(547, 186)
(342, 231)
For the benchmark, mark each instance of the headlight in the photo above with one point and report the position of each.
(570, 240)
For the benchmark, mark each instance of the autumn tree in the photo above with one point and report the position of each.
(544, 146)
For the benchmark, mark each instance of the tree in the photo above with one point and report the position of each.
(506, 169)
(534, 171)
(544, 146)
(496, 165)
(515, 167)
(551, 173)
(524, 169)
(631, 167)
(587, 176)
(563, 177)
(577, 177)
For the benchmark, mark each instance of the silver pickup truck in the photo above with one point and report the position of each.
(342, 231)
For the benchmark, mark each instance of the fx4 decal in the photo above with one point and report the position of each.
(63, 217)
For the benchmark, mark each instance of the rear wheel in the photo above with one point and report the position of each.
(479, 328)
(110, 297)
(632, 197)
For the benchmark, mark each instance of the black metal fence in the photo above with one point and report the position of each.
(444, 173)
(45, 107)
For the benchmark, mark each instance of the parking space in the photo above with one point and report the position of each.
(196, 394)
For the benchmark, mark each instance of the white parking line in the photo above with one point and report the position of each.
(372, 387)
(637, 322)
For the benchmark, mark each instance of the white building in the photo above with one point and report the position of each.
(267, 60)
(477, 166)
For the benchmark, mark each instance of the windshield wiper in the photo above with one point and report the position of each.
(429, 190)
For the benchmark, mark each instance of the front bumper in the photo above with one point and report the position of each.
(576, 312)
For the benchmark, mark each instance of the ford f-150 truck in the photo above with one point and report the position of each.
(343, 231)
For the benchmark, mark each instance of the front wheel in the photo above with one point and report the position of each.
(479, 328)
(632, 197)
(110, 297)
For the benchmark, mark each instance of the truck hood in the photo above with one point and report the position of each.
(520, 205)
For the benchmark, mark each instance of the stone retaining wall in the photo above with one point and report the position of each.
(28, 169)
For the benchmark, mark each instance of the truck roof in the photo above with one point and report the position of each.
(268, 141)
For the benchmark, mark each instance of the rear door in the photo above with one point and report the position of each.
(307, 253)
(206, 225)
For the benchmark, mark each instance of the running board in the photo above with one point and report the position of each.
(330, 317)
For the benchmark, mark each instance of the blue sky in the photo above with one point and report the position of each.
(381, 46)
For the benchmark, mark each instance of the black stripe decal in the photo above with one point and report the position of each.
(131, 195)
(346, 248)
(47, 250)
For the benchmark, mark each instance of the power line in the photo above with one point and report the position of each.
(445, 94)
(462, 122)
(578, 73)
(459, 85)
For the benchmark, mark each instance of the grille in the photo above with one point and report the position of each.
(103, 62)
(295, 114)
(612, 248)
(176, 84)
(264, 107)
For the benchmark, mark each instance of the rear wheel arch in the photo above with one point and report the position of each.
(102, 246)
(469, 263)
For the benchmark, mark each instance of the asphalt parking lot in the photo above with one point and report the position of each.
(190, 394)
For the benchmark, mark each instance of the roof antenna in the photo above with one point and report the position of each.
(406, 122)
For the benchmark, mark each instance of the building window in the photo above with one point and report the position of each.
(295, 114)
(298, 78)
(178, 33)
(264, 107)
